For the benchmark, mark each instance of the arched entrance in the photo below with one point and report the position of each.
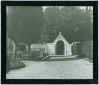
(60, 48)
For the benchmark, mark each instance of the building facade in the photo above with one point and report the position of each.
(59, 46)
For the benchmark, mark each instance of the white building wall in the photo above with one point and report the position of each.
(51, 48)
(67, 46)
(68, 50)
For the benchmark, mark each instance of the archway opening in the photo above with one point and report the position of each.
(60, 48)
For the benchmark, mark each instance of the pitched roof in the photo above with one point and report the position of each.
(60, 37)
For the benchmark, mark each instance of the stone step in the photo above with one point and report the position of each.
(53, 57)
(62, 57)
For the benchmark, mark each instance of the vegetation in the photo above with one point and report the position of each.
(12, 62)
(8, 66)
(74, 23)
(24, 24)
(33, 25)
(29, 24)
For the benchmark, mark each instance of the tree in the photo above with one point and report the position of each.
(52, 17)
(75, 23)
(24, 24)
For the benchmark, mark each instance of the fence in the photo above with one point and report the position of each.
(34, 54)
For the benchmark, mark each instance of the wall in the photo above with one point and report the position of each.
(68, 50)
(51, 48)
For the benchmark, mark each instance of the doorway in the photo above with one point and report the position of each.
(60, 48)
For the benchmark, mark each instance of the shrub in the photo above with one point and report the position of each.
(15, 62)
(87, 49)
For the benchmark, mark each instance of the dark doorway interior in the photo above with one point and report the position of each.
(60, 48)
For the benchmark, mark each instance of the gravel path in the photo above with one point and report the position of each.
(72, 69)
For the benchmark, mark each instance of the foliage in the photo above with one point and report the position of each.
(87, 49)
(24, 23)
(32, 25)
(12, 62)
(22, 47)
(74, 23)
(8, 66)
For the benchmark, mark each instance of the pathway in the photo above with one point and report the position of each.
(67, 69)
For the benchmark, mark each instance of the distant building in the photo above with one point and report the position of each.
(59, 46)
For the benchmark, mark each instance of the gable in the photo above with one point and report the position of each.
(60, 37)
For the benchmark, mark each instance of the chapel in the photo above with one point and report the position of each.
(60, 46)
